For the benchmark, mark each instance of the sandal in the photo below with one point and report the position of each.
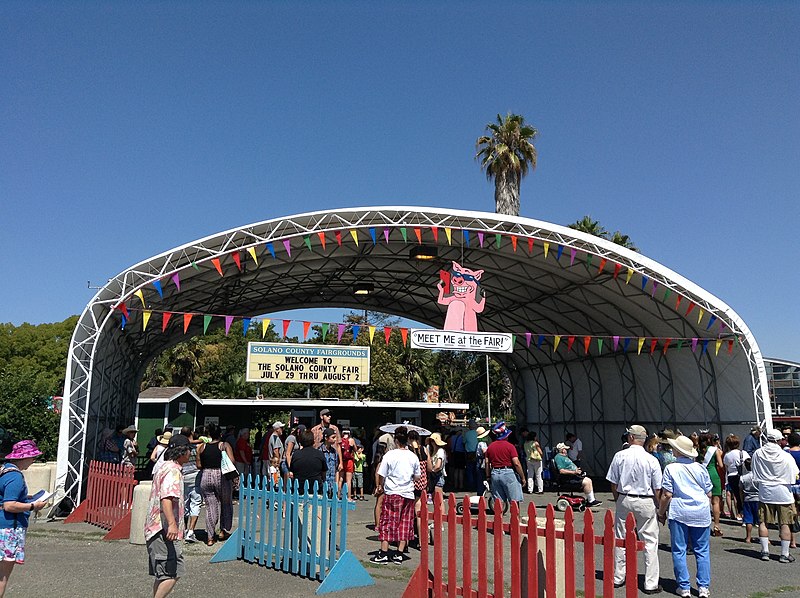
(716, 532)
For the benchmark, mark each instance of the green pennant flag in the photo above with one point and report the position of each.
(206, 322)
(307, 240)
(325, 327)
(599, 345)
(513, 336)
(497, 240)
(680, 343)
(404, 233)
(667, 293)
(589, 260)
(195, 266)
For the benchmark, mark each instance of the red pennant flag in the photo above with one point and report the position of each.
(586, 341)
(404, 335)
(387, 332)
(570, 342)
(435, 231)
(602, 265)
(237, 260)
(418, 233)
(286, 327)
(653, 344)
(617, 268)
(217, 265)
(165, 320)
(514, 242)
(678, 300)
(730, 346)
(666, 345)
(306, 326)
(124, 309)
(322, 239)
(530, 244)
(338, 234)
(691, 307)
(187, 318)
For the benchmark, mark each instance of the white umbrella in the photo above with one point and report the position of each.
(390, 428)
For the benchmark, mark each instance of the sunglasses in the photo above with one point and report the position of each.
(466, 277)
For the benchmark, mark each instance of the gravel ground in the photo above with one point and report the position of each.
(73, 561)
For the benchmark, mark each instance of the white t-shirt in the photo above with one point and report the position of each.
(575, 450)
(733, 460)
(440, 454)
(399, 467)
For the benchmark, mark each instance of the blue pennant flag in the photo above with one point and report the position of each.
(157, 285)
(271, 250)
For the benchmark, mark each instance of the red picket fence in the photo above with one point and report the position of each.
(109, 499)
(524, 575)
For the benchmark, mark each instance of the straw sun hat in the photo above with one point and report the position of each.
(683, 445)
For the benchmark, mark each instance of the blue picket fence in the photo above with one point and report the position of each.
(299, 532)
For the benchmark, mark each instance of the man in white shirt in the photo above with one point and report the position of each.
(398, 470)
(575, 452)
(635, 477)
(774, 470)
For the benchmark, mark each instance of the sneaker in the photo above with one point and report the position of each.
(655, 590)
(382, 558)
(686, 593)
(764, 556)
(594, 503)
(703, 592)
(190, 537)
(397, 558)
(786, 558)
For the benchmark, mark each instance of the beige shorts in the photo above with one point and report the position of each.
(780, 514)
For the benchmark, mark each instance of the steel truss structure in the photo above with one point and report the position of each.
(558, 288)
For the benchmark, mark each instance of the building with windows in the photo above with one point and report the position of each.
(783, 382)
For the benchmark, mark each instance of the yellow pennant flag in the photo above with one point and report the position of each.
(546, 249)
(556, 340)
(717, 344)
(354, 234)
(145, 318)
(700, 315)
(628, 275)
(140, 295)
(252, 252)
(371, 334)
(641, 342)
(264, 327)
(449, 234)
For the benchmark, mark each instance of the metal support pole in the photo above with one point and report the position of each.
(488, 396)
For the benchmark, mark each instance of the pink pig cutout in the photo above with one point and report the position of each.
(462, 303)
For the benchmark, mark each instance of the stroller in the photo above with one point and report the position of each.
(474, 502)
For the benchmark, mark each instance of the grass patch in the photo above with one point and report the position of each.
(768, 593)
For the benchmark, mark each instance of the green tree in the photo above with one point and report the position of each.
(588, 225)
(506, 153)
(624, 240)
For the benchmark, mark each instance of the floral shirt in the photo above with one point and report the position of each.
(167, 483)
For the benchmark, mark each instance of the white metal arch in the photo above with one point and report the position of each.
(529, 291)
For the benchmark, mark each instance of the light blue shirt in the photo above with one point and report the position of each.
(689, 484)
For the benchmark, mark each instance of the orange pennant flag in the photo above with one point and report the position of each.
(530, 245)
(145, 319)
(306, 326)
(570, 342)
(187, 318)
(217, 265)
(321, 236)
(165, 320)
(286, 326)
(418, 234)
(666, 345)
(586, 341)
(602, 265)
(435, 231)
(514, 242)
(404, 335)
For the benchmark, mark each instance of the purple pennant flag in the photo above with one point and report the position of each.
(644, 281)
(339, 333)
(528, 339)
(246, 325)
(372, 234)
(539, 341)
(560, 251)
(711, 322)
(625, 344)
(228, 322)
(356, 328)
(655, 286)
(271, 249)
(572, 254)
(386, 235)
(177, 280)
(694, 345)
(722, 326)
(288, 246)
(480, 239)
(157, 285)
(616, 342)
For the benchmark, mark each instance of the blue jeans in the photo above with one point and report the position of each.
(681, 534)
(505, 485)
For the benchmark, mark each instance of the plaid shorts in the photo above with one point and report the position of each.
(397, 519)
(12, 544)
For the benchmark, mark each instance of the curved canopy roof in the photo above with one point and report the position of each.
(543, 282)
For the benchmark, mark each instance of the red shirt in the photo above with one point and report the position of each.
(500, 453)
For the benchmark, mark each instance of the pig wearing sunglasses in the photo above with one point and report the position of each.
(463, 303)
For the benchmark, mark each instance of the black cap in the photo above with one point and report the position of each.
(329, 432)
(178, 440)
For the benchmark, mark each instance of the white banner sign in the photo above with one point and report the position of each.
(456, 340)
(323, 364)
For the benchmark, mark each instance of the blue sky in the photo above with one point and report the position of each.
(130, 128)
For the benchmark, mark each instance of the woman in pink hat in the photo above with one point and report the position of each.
(16, 508)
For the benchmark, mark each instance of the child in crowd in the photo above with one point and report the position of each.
(275, 471)
(358, 472)
(749, 492)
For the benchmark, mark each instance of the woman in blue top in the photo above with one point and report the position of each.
(686, 492)
(16, 508)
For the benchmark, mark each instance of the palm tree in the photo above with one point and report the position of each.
(623, 240)
(506, 154)
(587, 225)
